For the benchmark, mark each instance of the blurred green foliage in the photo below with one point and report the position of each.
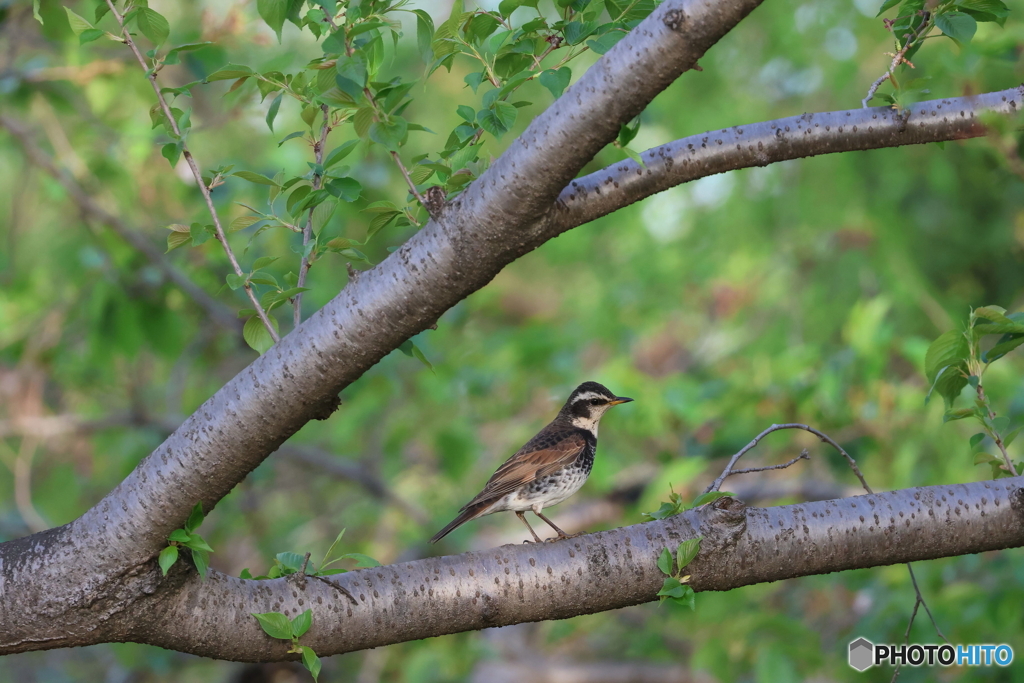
(806, 291)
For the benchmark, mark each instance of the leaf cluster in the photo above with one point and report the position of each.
(186, 537)
(675, 588)
(277, 625)
(675, 505)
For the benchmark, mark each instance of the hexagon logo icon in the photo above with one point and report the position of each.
(862, 654)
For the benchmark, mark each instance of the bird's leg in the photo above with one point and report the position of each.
(535, 536)
(561, 534)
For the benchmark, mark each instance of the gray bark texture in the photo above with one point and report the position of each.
(96, 579)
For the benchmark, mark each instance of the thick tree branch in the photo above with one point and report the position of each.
(520, 583)
(218, 312)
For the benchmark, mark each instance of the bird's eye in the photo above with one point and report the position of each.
(596, 401)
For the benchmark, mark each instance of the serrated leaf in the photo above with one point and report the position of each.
(256, 334)
(153, 25)
(291, 561)
(263, 262)
(275, 625)
(345, 189)
(949, 349)
(78, 23)
(389, 134)
(671, 588)
(362, 120)
(959, 26)
(506, 114)
(229, 72)
(686, 551)
(243, 222)
(177, 239)
(665, 562)
(274, 12)
(196, 542)
(168, 556)
(301, 623)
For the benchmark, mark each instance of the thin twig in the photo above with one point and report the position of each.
(221, 236)
(996, 436)
(804, 455)
(897, 59)
(217, 311)
(408, 180)
(825, 438)
(775, 428)
(307, 231)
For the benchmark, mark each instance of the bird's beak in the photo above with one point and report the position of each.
(618, 400)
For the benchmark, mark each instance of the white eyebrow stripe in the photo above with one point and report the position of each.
(587, 395)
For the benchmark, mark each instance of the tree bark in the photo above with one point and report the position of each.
(95, 579)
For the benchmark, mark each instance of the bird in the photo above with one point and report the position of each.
(552, 466)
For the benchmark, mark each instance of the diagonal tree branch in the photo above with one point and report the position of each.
(218, 312)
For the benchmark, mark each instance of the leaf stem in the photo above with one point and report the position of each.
(196, 173)
(307, 231)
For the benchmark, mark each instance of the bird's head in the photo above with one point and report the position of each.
(588, 403)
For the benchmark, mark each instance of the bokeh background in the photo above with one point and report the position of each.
(805, 291)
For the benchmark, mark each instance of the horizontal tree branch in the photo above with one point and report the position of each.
(217, 312)
(531, 582)
(768, 142)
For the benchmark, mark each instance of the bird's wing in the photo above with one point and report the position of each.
(545, 453)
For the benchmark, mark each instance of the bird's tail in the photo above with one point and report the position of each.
(468, 513)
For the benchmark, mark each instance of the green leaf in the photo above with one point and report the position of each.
(256, 334)
(506, 114)
(410, 349)
(556, 81)
(90, 35)
(179, 535)
(201, 559)
(671, 588)
(686, 551)
(310, 661)
(982, 458)
(959, 26)
(274, 12)
(176, 239)
(362, 561)
(272, 112)
(229, 72)
(235, 281)
(1010, 436)
(976, 439)
(665, 562)
(257, 178)
(290, 561)
(687, 599)
(606, 42)
(705, 498)
(301, 623)
(424, 35)
(171, 151)
(950, 348)
(78, 23)
(196, 542)
(887, 5)
(949, 383)
(195, 518)
(958, 414)
(362, 120)
(339, 153)
(275, 625)
(389, 134)
(246, 574)
(291, 136)
(345, 189)
(168, 556)
(243, 222)
(263, 262)
(199, 234)
(153, 25)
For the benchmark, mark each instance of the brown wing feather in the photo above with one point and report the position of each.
(545, 453)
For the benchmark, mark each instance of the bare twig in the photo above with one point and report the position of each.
(775, 428)
(217, 311)
(221, 236)
(307, 231)
(804, 455)
(856, 470)
(996, 436)
(408, 180)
